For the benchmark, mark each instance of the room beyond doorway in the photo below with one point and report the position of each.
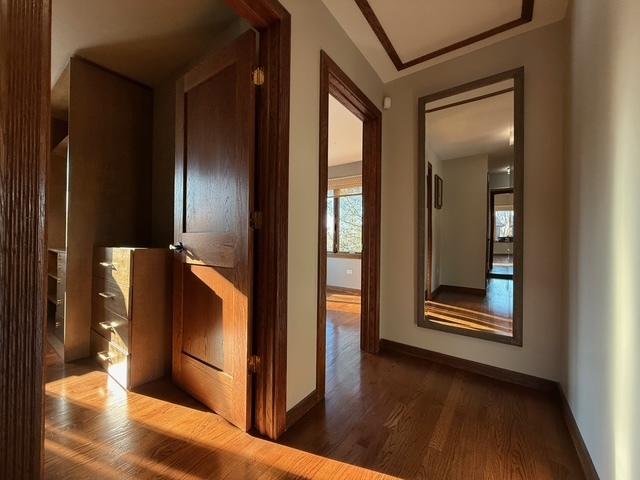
(349, 175)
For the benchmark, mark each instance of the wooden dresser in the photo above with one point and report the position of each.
(131, 313)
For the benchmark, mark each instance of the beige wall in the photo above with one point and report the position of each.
(543, 54)
(338, 275)
(603, 241)
(313, 29)
(463, 222)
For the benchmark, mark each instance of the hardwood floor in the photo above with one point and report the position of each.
(96, 430)
(410, 418)
(384, 416)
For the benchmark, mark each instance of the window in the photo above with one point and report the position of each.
(504, 224)
(344, 220)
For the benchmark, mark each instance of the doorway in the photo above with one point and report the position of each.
(25, 111)
(501, 219)
(349, 216)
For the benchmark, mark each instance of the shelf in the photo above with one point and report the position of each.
(53, 299)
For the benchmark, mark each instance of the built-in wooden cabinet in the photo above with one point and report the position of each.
(99, 182)
(131, 313)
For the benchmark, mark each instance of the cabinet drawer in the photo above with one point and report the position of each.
(113, 264)
(109, 357)
(108, 294)
(112, 327)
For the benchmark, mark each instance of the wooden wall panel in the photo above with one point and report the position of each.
(57, 197)
(110, 124)
(24, 147)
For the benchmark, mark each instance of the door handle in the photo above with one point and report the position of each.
(105, 356)
(106, 295)
(177, 247)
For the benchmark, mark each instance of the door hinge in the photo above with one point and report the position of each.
(254, 364)
(257, 76)
(255, 220)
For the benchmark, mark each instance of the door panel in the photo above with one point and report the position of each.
(203, 314)
(215, 138)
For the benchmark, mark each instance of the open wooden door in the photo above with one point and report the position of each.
(215, 147)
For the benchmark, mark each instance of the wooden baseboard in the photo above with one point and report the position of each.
(434, 293)
(496, 373)
(343, 290)
(302, 407)
(457, 289)
(586, 462)
(502, 276)
(508, 376)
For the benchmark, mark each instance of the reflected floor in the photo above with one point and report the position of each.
(491, 313)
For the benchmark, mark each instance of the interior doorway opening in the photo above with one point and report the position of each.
(501, 211)
(110, 186)
(349, 221)
(344, 225)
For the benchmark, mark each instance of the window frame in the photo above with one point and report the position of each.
(335, 248)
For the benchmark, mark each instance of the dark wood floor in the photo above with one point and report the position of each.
(96, 430)
(410, 418)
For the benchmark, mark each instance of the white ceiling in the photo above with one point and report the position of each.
(345, 135)
(418, 27)
(478, 127)
(147, 40)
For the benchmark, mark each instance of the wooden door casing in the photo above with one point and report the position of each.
(214, 190)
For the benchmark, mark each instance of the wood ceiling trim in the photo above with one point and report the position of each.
(525, 17)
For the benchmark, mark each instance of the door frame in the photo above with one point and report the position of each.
(492, 228)
(25, 102)
(25, 124)
(269, 323)
(334, 81)
(429, 180)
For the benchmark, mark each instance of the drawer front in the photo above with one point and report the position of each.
(107, 294)
(113, 264)
(109, 357)
(112, 327)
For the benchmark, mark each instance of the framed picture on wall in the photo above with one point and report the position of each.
(438, 192)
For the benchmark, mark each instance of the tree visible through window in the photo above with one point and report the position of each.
(504, 224)
(344, 220)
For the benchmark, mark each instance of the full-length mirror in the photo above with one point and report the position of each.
(470, 209)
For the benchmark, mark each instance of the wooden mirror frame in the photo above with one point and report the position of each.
(518, 185)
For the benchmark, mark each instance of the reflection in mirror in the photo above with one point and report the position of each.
(470, 258)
